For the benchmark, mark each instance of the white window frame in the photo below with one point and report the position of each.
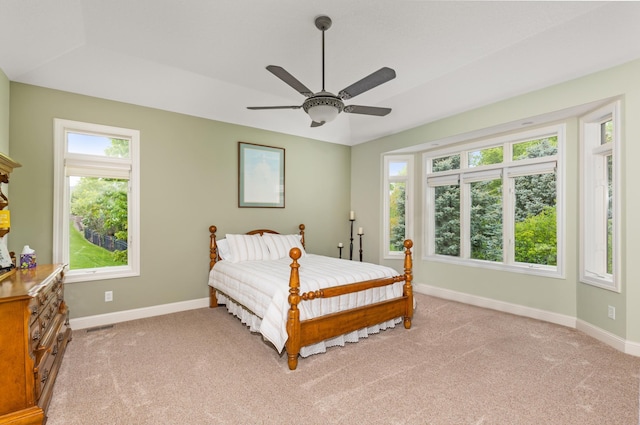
(509, 169)
(408, 220)
(593, 198)
(97, 166)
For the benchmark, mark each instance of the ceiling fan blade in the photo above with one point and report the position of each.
(273, 107)
(366, 110)
(367, 83)
(316, 124)
(290, 79)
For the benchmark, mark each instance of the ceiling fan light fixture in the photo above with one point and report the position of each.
(323, 108)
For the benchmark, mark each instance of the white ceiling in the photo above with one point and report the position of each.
(207, 58)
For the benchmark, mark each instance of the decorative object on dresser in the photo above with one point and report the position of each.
(6, 168)
(35, 332)
(302, 301)
(7, 260)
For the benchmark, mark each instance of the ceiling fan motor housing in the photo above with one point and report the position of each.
(323, 98)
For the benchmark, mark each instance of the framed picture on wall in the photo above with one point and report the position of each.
(260, 176)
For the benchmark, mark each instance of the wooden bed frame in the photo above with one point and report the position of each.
(306, 332)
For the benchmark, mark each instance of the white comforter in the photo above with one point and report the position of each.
(263, 288)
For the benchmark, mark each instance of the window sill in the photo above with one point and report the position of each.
(75, 276)
(529, 269)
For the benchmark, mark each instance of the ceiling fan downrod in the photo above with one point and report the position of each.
(323, 23)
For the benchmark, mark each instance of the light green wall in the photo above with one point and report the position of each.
(4, 113)
(564, 296)
(188, 182)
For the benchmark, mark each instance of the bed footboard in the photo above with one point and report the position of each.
(303, 333)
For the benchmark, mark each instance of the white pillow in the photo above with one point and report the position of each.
(223, 250)
(279, 245)
(247, 248)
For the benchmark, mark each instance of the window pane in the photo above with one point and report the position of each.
(98, 222)
(610, 214)
(447, 220)
(397, 168)
(485, 156)
(537, 148)
(535, 219)
(88, 144)
(397, 199)
(486, 220)
(446, 163)
(606, 132)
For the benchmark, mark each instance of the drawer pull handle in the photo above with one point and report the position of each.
(36, 335)
(55, 350)
(45, 375)
(34, 310)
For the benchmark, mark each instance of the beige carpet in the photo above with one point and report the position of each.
(458, 364)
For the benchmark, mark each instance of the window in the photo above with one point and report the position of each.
(96, 196)
(398, 172)
(497, 202)
(599, 210)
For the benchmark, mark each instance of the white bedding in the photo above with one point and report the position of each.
(263, 288)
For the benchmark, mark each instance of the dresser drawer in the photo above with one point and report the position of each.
(34, 309)
(35, 335)
(47, 323)
(43, 372)
(57, 352)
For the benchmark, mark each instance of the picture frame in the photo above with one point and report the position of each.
(261, 180)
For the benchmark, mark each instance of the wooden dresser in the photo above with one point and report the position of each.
(34, 332)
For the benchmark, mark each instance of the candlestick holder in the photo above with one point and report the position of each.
(351, 239)
(340, 251)
(361, 235)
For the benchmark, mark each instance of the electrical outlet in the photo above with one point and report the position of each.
(611, 313)
(108, 296)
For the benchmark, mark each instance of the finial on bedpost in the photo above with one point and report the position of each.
(301, 227)
(408, 278)
(213, 247)
(293, 317)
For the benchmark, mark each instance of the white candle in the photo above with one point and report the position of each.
(360, 232)
(340, 245)
(352, 215)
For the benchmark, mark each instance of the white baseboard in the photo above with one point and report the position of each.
(601, 335)
(519, 310)
(620, 344)
(138, 313)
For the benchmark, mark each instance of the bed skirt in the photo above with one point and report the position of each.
(253, 322)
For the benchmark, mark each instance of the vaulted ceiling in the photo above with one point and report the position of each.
(207, 58)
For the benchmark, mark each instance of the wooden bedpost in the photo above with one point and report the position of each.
(407, 288)
(301, 227)
(293, 317)
(213, 247)
(213, 257)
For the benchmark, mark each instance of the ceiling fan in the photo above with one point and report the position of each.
(324, 106)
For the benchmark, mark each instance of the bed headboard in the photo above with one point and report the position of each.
(214, 255)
